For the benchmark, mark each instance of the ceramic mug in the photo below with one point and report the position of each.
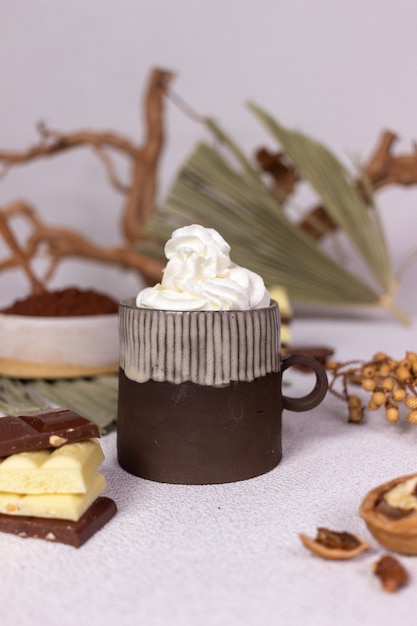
(200, 393)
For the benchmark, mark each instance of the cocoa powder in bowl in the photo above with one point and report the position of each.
(69, 302)
(60, 334)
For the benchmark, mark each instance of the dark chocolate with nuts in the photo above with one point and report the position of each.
(74, 534)
(47, 429)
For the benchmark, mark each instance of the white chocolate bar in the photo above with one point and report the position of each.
(69, 469)
(57, 505)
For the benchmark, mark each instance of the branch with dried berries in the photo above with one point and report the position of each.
(391, 384)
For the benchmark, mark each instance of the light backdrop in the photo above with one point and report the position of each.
(338, 70)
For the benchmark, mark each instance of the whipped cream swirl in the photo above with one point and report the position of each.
(199, 276)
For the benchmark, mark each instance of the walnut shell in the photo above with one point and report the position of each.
(398, 535)
(334, 553)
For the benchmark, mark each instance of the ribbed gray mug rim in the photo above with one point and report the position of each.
(240, 344)
(130, 303)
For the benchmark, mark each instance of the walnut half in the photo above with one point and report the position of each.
(392, 521)
(331, 544)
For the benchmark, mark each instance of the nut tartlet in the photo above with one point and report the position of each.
(393, 521)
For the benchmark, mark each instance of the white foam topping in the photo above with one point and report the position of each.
(200, 276)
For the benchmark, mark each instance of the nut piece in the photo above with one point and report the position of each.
(391, 573)
(390, 515)
(330, 544)
(56, 441)
(403, 495)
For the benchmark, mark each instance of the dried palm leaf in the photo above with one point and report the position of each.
(236, 201)
(337, 190)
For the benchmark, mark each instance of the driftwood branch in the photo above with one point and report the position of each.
(59, 243)
(277, 166)
(139, 204)
(143, 159)
(18, 255)
(53, 142)
(382, 169)
(139, 194)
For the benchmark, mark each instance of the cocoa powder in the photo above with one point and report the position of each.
(66, 302)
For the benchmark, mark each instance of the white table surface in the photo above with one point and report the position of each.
(230, 554)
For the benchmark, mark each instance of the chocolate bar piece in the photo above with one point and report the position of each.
(68, 469)
(48, 429)
(73, 534)
(69, 506)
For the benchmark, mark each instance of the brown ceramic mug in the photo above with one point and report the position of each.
(200, 397)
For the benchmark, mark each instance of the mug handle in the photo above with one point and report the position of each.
(312, 399)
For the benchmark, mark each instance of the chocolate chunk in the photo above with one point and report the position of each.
(73, 534)
(320, 353)
(49, 429)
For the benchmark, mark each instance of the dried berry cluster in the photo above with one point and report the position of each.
(390, 382)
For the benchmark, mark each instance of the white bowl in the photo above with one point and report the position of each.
(58, 347)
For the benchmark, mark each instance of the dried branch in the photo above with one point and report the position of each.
(111, 170)
(382, 169)
(390, 382)
(139, 204)
(276, 164)
(385, 169)
(60, 243)
(140, 193)
(18, 255)
(53, 142)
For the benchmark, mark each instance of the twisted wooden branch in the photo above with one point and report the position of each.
(60, 243)
(18, 255)
(138, 206)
